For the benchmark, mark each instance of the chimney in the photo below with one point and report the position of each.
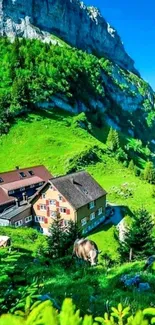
(17, 203)
(25, 197)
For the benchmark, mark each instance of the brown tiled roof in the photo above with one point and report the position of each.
(78, 188)
(14, 175)
(4, 198)
(22, 183)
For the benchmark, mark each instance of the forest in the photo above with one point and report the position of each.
(31, 72)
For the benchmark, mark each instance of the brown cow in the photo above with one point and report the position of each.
(87, 250)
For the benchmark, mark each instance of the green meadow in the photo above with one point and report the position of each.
(52, 138)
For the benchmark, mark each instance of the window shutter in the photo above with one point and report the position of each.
(48, 211)
(46, 220)
(38, 207)
(68, 211)
(47, 202)
(57, 204)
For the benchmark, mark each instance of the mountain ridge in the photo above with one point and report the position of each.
(81, 26)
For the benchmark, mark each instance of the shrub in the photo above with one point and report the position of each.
(149, 173)
(121, 155)
(153, 192)
(131, 165)
(138, 236)
(82, 121)
(124, 191)
(44, 313)
(86, 157)
(137, 171)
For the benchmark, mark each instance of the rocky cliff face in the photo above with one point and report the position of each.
(82, 27)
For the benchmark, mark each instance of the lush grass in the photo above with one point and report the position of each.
(51, 138)
(23, 238)
(111, 173)
(104, 237)
(92, 289)
(43, 138)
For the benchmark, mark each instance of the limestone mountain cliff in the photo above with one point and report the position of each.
(127, 101)
(82, 27)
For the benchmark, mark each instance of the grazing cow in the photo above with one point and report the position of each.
(86, 250)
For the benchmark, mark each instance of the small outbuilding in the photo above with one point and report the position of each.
(5, 241)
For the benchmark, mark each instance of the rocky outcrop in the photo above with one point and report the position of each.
(82, 27)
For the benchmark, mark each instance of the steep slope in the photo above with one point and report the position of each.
(53, 139)
(82, 27)
(34, 74)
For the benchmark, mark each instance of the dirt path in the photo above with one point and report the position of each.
(118, 221)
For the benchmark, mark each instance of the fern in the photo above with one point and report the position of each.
(45, 314)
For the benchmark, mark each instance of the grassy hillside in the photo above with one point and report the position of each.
(65, 278)
(53, 139)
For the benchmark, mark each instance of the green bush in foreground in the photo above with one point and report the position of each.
(44, 314)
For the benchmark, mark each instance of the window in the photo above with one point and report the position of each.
(52, 187)
(22, 174)
(28, 219)
(91, 205)
(31, 172)
(63, 210)
(39, 219)
(11, 192)
(52, 202)
(83, 221)
(60, 198)
(92, 216)
(43, 196)
(22, 189)
(99, 211)
(31, 186)
(41, 183)
(53, 214)
(1, 180)
(18, 223)
(42, 207)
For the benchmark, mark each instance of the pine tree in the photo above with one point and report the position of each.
(73, 233)
(149, 172)
(57, 239)
(113, 140)
(62, 239)
(138, 238)
(131, 165)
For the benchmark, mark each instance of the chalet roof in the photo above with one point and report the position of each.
(14, 211)
(78, 188)
(4, 198)
(30, 172)
(22, 183)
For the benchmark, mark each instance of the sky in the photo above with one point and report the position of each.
(135, 22)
